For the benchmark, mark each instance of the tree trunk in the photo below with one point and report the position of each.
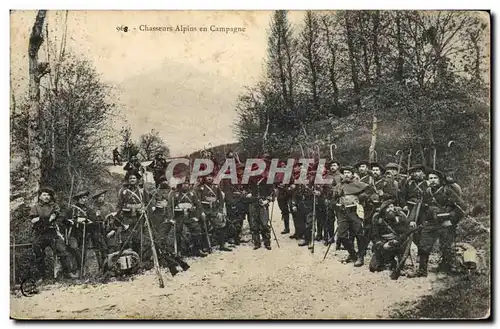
(35, 74)
(376, 54)
(371, 151)
(400, 61)
(352, 59)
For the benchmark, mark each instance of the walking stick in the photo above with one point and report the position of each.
(400, 160)
(175, 238)
(313, 229)
(153, 250)
(82, 261)
(141, 248)
(409, 160)
(271, 225)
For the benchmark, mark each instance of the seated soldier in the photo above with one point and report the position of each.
(390, 224)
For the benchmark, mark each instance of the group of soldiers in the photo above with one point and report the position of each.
(369, 204)
(365, 204)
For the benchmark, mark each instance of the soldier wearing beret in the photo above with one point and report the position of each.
(445, 209)
(130, 207)
(350, 195)
(45, 218)
(258, 198)
(212, 201)
(390, 224)
(412, 196)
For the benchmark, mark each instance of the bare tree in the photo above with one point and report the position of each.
(36, 72)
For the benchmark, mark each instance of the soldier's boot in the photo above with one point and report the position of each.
(350, 249)
(286, 222)
(256, 241)
(66, 268)
(172, 267)
(198, 247)
(362, 244)
(221, 239)
(267, 240)
(422, 268)
(237, 235)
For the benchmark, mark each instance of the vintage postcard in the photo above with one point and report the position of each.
(250, 165)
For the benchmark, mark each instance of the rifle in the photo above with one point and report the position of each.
(271, 225)
(313, 229)
(396, 273)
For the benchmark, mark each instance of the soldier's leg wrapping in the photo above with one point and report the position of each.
(356, 229)
(40, 241)
(264, 225)
(253, 222)
(377, 261)
(285, 214)
(320, 221)
(59, 248)
(343, 233)
(194, 227)
(428, 238)
(446, 239)
(238, 222)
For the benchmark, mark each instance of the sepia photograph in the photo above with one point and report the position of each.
(250, 165)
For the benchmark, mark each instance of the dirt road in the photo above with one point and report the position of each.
(284, 283)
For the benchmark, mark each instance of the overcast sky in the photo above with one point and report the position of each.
(184, 85)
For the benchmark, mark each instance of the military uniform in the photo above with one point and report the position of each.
(330, 204)
(184, 208)
(412, 195)
(80, 218)
(258, 217)
(351, 194)
(212, 201)
(116, 157)
(283, 197)
(132, 200)
(236, 208)
(385, 189)
(100, 209)
(390, 224)
(158, 167)
(46, 233)
(443, 213)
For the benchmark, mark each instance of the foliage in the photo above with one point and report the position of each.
(150, 144)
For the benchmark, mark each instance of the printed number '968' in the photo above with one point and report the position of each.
(122, 28)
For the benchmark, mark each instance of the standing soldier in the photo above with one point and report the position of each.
(236, 208)
(412, 197)
(116, 157)
(213, 207)
(45, 217)
(445, 209)
(363, 172)
(158, 167)
(385, 189)
(80, 216)
(129, 210)
(295, 195)
(184, 208)
(259, 197)
(392, 171)
(336, 176)
(283, 197)
(97, 230)
(351, 194)
(135, 166)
